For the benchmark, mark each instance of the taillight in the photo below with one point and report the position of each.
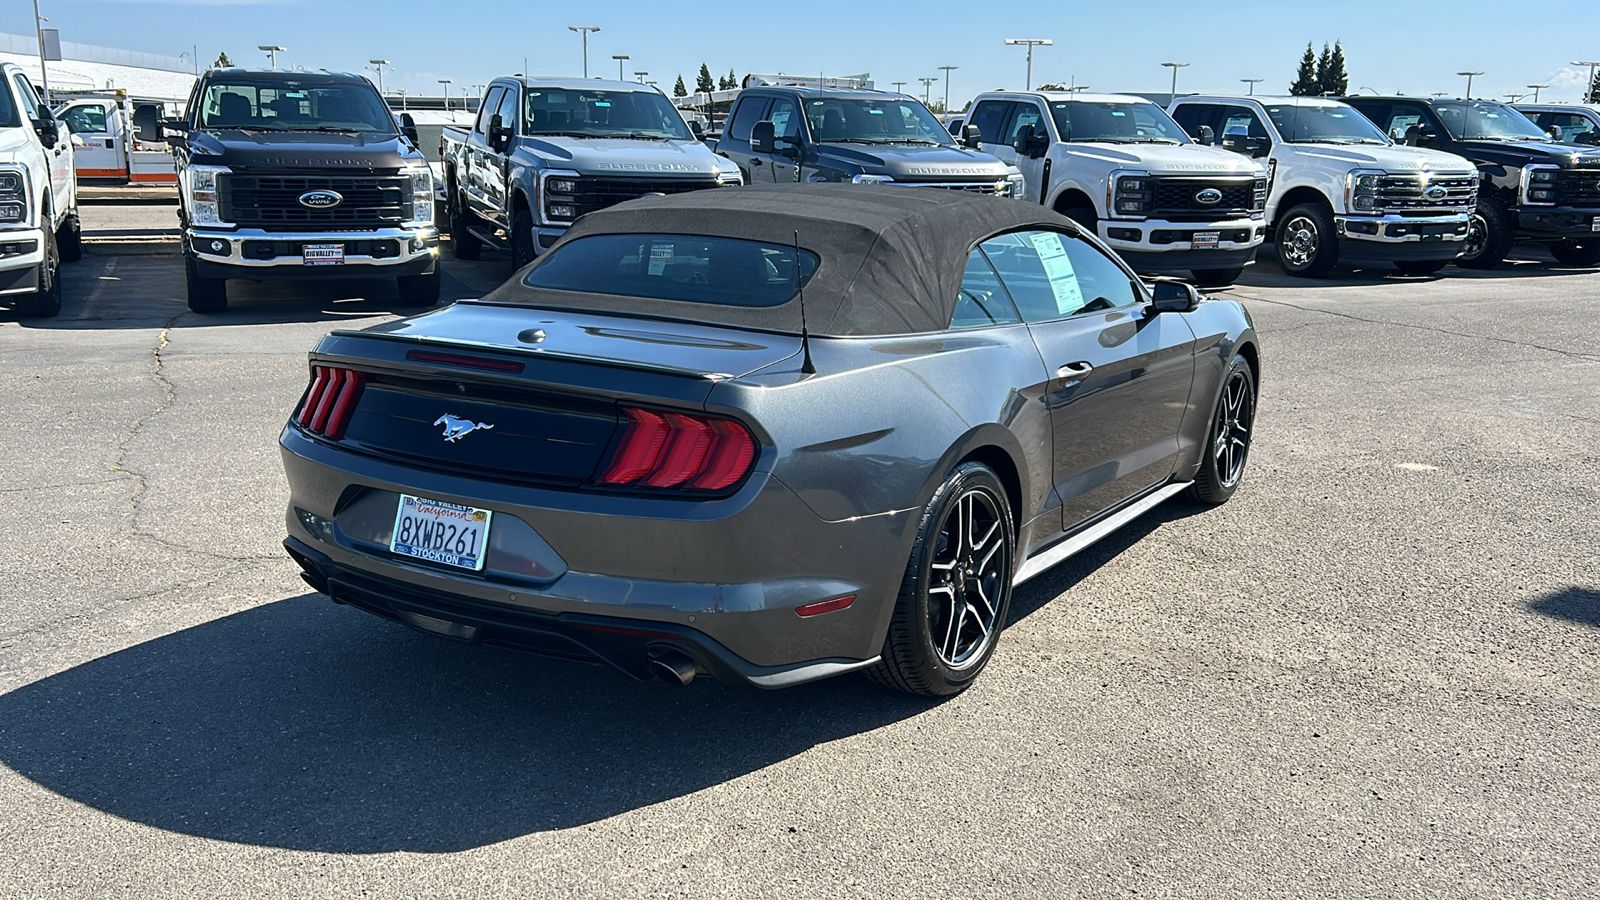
(331, 401)
(669, 450)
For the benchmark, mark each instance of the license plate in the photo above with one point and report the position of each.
(441, 532)
(1206, 240)
(322, 254)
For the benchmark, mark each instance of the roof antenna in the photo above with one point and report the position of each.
(806, 366)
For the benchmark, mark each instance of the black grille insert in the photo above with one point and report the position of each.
(1176, 198)
(272, 202)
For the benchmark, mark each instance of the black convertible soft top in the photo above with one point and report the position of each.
(891, 258)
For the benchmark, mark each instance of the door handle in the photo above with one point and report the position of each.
(755, 160)
(1074, 370)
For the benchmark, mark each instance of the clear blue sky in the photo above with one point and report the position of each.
(1414, 47)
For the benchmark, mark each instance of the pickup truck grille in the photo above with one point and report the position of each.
(1174, 199)
(1408, 194)
(1578, 187)
(599, 193)
(990, 186)
(272, 202)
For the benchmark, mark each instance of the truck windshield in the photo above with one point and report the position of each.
(603, 114)
(1116, 123)
(287, 105)
(1324, 125)
(847, 120)
(1486, 120)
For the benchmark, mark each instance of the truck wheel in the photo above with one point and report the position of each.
(206, 295)
(1576, 253)
(70, 239)
(462, 243)
(1488, 236)
(1420, 266)
(1216, 277)
(522, 250)
(419, 290)
(1306, 242)
(46, 301)
(1083, 215)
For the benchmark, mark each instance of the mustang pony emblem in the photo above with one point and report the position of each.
(456, 428)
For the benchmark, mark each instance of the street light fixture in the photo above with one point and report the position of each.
(947, 70)
(584, 30)
(620, 58)
(1590, 86)
(640, 76)
(272, 51)
(446, 82)
(927, 84)
(899, 87)
(379, 64)
(1250, 81)
(1077, 88)
(44, 71)
(1174, 67)
(1536, 89)
(1469, 81)
(1030, 43)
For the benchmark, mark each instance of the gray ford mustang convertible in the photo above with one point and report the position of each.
(771, 434)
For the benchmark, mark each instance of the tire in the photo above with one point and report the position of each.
(419, 290)
(522, 248)
(1577, 253)
(1306, 241)
(206, 295)
(69, 238)
(1216, 277)
(1083, 215)
(1228, 443)
(1488, 236)
(46, 301)
(1420, 266)
(955, 595)
(462, 243)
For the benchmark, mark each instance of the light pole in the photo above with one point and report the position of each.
(1469, 81)
(379, 64)
(1365, 88)
(1077, 88)
(1586, 89)
(1030, 43)
(1514, 97)
(947, 70)
(1174, 67)
(1536, 89)
(640, 76)
(272, 52)
(927, 84)
(44, 71)
(620, 58)
(899, 87)
(446, 82)
(584, 30)
(402, 99)
(1250, 81)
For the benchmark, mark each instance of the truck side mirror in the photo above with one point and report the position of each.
(1208, 136)
(408, 127)
(764, 138)
(971, 137)
(45, 128)
(697, 129)
(1555, 133)
(174, 131)
(1027, 142)
(499, 134)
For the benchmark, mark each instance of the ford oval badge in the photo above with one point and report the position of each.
(1208, 197)
(321, 199)
(1436, 193)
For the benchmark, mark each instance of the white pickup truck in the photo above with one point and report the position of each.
(38, 199)
(1342, 193)
(1119, 166)
(117, 140)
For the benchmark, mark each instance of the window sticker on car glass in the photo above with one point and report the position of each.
(660, 258)
(602, 103)
(1058, 268)
(1120, 115)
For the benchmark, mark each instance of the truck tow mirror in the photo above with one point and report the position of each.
(499, 133)
(408, 127)
(1555, 133)
(1208, 136)
(698, 129)
(971, 137)
(1027, 142)
(45, 127)
(174, 131)
(763, 138)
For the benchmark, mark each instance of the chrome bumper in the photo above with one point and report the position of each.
(415, 244)
(1417, 228)
(16, 261)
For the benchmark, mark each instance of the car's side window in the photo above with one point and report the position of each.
(745, 117)
(85, 119)
(1243, 132)
(1571, 125)
(1027, 114)
(785, 124)
(1051, 275)
(983, 300)
(1401, 118)
(491, 105)
(30, 100)
(990, 117)
(508, 110)
(1190, 116)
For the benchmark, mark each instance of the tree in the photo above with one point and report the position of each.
(1332, 79)
(222, 61)
(1305, 80)
(1052, 86)
(704, 83)
(678, 90)
(1594, 90)
(731, 83)
(1324, 62)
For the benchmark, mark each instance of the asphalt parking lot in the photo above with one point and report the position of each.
(1371, 674)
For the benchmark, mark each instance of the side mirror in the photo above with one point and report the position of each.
(1555, 134)
(1175, 296)
(1208, 136)
(408, 127)
(763, 138)
(971, 137)
(174, 131)
(45, 128)
(499, 133)
(1031, 142)
(1424, 137)
(697, 129)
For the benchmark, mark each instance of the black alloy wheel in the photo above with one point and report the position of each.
(1577, 253)
(956, 590)
(522, 249)
(1488, 236)
(206, 295)
(46, 301)
(462, 243)
(1306, 241)
(69, 237)
(1228, 446)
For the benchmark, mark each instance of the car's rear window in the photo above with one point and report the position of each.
(694, 269)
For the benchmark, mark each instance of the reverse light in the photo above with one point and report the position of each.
(331, 401)
(669, 450)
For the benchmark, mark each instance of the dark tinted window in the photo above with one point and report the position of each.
(1192, 115)
(1318, 124)
(675, 267)
(1051, 275)
(1574, 127)
(983, 300)
(601, 113)
(1485, 120)
(491, 105)
(990, 117)
(1116, 123)
(1027, 114)
(745, 117)
(508, 109)
(289, 105)
(872, 121)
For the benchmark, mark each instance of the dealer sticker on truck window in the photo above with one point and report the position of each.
(441, 532)
(322, 254)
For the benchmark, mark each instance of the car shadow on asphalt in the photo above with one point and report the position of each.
(304, 725)
(1575, 604)
(1527, 262)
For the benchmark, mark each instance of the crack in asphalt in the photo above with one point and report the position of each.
(1436, 330)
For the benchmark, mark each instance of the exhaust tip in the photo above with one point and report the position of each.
(673, 668)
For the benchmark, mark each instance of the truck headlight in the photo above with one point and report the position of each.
(202, 184)
(558, 197)
(1361, 190)
(13, 195)
(421, 199)
(1539, 185)
(1018, 186)
(729, 179)
(1132, 194)
(872, 179)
